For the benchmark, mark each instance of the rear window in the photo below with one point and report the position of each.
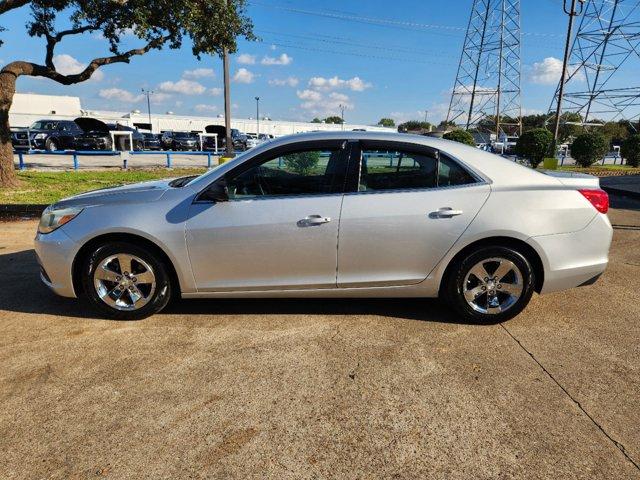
(450, 173)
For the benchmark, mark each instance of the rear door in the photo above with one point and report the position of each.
(407, 207)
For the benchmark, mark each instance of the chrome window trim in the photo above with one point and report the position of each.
(421, 190)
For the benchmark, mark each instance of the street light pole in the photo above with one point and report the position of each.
(572, 12)
(258, 116)
(227, 103)
(342, 115)
(148, 93)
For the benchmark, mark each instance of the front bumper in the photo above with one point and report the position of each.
(577, 258)
(55, 252)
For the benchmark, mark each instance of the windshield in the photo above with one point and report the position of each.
(43, 125)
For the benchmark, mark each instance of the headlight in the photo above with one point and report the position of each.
(54, 218)
(40, 136)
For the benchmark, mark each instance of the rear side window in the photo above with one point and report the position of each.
(396, 170)
(451, 174)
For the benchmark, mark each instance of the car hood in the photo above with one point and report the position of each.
(135, 193)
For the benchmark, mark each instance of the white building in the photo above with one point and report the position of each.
(28, 107)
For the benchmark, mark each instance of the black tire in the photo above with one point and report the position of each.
(157, 300)
(453, 288)
(51, 145)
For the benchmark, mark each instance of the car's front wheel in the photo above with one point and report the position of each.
(125, 282)
(489, 285)
(51, 145)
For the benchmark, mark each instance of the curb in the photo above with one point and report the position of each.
(10, 211)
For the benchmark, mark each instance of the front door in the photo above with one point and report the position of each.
(410, 207)
(279, 229)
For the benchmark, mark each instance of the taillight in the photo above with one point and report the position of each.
(598, 198)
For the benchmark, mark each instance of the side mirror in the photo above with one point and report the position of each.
(218, 192)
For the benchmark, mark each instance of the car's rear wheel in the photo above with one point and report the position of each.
(125, 282)
(490, 285)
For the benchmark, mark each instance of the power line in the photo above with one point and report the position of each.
(401, 24)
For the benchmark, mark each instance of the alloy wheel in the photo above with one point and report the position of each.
(124, 282)
(493, 285)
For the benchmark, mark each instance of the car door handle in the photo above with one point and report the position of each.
(313, 220)
(445, 212)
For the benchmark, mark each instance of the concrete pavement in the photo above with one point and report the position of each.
(321, 388)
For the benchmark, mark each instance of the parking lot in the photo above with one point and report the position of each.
(321, 388)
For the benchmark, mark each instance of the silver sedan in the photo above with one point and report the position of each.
(341, 214)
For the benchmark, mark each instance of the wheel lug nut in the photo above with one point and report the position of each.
(499, 286)
(134, 279)
(484, 288)
(486, 279)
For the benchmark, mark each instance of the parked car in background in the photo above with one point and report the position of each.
(252, 140)
(180, 141)
(151, 141)
(333, 214)
(238, 138)
(122, 141)
(94, 136)
(53, 135)
(20, 139)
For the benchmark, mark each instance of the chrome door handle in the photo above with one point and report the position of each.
(445, 212)
(313, 220)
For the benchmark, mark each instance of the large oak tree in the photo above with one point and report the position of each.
(209, 25)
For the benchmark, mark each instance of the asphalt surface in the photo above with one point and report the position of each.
(322, 388)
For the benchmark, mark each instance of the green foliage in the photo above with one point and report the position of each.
(334, 119)
(630, 150)
(444, 125)
(534, 145)
(588, 148)
(387, 122)
(414, 126)
(460, 136)
(615, 132)
(316, 120)
(302, 163)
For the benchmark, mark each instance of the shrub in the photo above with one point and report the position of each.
(630, 150)
(302, 163)
(460, 136)
(588, 148)
(534, 145)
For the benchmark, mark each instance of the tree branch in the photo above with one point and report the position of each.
(20, 68)
(7, 5)
(52, 41)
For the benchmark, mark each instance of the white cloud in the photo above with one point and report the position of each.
(67, 65)
(215, 91)
(272, 47)
(186, 87)
(120, 95)
(283, 59)
(246, 59)
(355, 84)
(284, 82)
(203, 107)
(318, 103)
(199, 73)
(243, 76)
(309, 95)
(548, 72)
(159, 97)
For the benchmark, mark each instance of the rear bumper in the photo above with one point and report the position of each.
(575, 259)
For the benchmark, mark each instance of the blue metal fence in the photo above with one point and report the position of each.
(76, 154)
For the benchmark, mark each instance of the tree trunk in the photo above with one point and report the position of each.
(8, 178)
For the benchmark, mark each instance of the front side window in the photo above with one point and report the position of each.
(303, 172)
(396, 170)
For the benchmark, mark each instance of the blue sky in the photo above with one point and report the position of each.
(378, 58)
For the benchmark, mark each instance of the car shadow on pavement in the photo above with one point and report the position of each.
(23, 292)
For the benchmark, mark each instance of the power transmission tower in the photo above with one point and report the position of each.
(608, 37)
(486, 93)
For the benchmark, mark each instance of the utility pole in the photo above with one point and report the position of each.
(572, 12)
(258, 117)
(341, 107)
(227, 103)
(148, 93)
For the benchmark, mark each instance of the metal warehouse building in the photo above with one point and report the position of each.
(28, 107)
